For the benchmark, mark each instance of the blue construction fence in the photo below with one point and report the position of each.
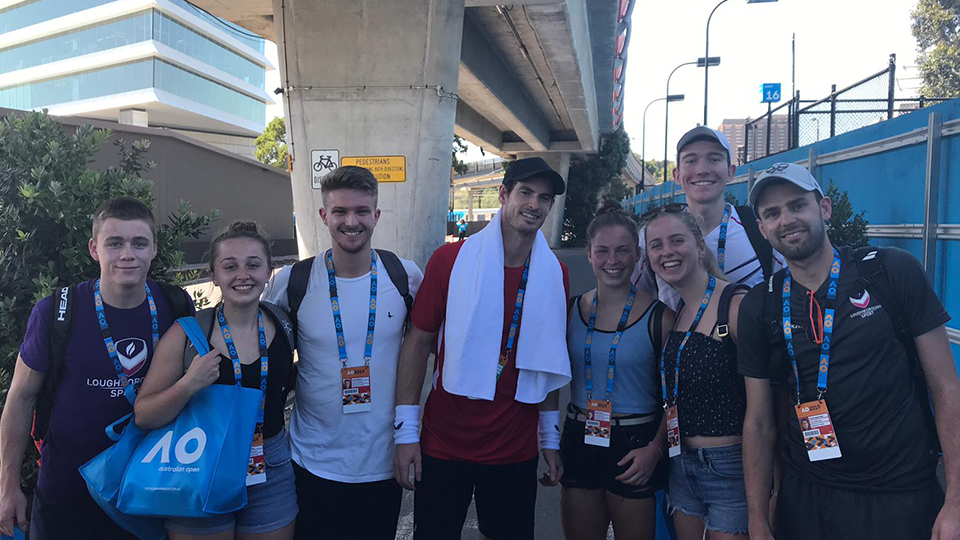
(883, 169)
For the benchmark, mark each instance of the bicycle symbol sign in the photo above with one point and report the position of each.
(323, 162)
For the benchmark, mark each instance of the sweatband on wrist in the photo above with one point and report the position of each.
(548, 431)
(406, 425)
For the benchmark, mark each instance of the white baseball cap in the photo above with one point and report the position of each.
(791, 172)
(704, 133)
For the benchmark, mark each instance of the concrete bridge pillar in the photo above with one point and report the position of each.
(373, 78)
(553, 226)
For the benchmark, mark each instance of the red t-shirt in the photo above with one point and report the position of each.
(460, 429)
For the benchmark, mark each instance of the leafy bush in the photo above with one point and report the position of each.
(48, 195)
(845, 227)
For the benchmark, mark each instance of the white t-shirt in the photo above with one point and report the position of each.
(355, 447)
(741, 265)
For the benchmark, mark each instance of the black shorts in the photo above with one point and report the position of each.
(594, 467)
(506, 497)
(808, 510)
(339, 510)
(76, 517)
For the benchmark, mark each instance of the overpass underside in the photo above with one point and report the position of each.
(399, 78)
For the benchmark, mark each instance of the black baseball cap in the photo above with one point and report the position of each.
(522, 169)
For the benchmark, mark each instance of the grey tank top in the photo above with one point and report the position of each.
(636, 385)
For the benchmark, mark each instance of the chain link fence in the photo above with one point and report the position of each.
(801, 122)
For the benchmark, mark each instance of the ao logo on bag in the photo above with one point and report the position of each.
(186, 451)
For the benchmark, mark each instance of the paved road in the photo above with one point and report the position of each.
(548, 499)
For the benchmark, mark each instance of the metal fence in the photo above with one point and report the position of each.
(801, 122)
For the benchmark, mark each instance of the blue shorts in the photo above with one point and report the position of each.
(707, 483)
(271, 505)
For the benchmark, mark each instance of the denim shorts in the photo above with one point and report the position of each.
(271, 505)
(707, 483)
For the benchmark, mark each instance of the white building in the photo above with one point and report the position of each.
(160, 63)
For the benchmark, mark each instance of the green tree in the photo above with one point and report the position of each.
(587, 178)
(655, 168)
(845, 227)
(459, 147)
(272, 144)
(936, 26)
(47, 197)
(730, 198)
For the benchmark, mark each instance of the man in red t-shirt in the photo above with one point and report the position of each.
(477, 447)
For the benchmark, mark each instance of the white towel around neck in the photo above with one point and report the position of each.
(473, 328)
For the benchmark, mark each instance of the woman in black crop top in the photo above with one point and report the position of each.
(708, 402)
(240, 267)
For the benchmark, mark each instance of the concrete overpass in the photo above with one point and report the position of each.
(399, 78)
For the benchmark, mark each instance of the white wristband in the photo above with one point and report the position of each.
(548, 432)
(406, 426)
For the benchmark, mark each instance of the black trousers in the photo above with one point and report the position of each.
(506, 497)
(340, 511)
(76, 518)
(807, 510)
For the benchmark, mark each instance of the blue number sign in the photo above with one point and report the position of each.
(769, 92)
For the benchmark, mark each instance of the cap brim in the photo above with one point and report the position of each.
(559, 186)
(763, 182)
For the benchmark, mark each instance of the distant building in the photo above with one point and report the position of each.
(157, 63)
(736, 131)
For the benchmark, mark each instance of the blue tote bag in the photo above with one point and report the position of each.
(196, 465)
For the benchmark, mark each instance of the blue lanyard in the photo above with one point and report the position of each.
(128, 390)
(515, 321)
(827, 326)
(707, 294)
(588, 343)
(722, 240)
(335, 305)
(232, 349)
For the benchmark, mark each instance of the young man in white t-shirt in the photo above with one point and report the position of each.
(341, 429)
(703, 172)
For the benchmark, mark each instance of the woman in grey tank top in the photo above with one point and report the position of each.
(614, 438)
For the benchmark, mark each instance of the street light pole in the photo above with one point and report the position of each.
(666, 125)
(706, 69)
(643, 150)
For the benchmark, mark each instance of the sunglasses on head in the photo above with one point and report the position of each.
(672, 208)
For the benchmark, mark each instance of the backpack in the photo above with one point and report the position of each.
(300, 278)
(60, 326)
(875, 280)
(760, 245)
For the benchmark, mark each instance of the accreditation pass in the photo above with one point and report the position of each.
(356, 389)
(817, 429)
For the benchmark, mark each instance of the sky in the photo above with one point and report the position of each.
(837, 42)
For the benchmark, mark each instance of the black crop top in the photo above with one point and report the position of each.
(712, 399)
(280, 380)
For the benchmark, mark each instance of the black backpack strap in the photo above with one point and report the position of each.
(723, 308)
(297, 286)
(874, 279)
(572, 302)
(61, 319)
(179, 301)
(761, 246)
(772, 321)
(656, 327)
(398, 275)
(284, 326)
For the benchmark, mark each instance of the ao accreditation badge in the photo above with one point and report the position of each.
(354, 380)
(816, 426)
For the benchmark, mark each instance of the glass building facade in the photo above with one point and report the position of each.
(202, 86)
